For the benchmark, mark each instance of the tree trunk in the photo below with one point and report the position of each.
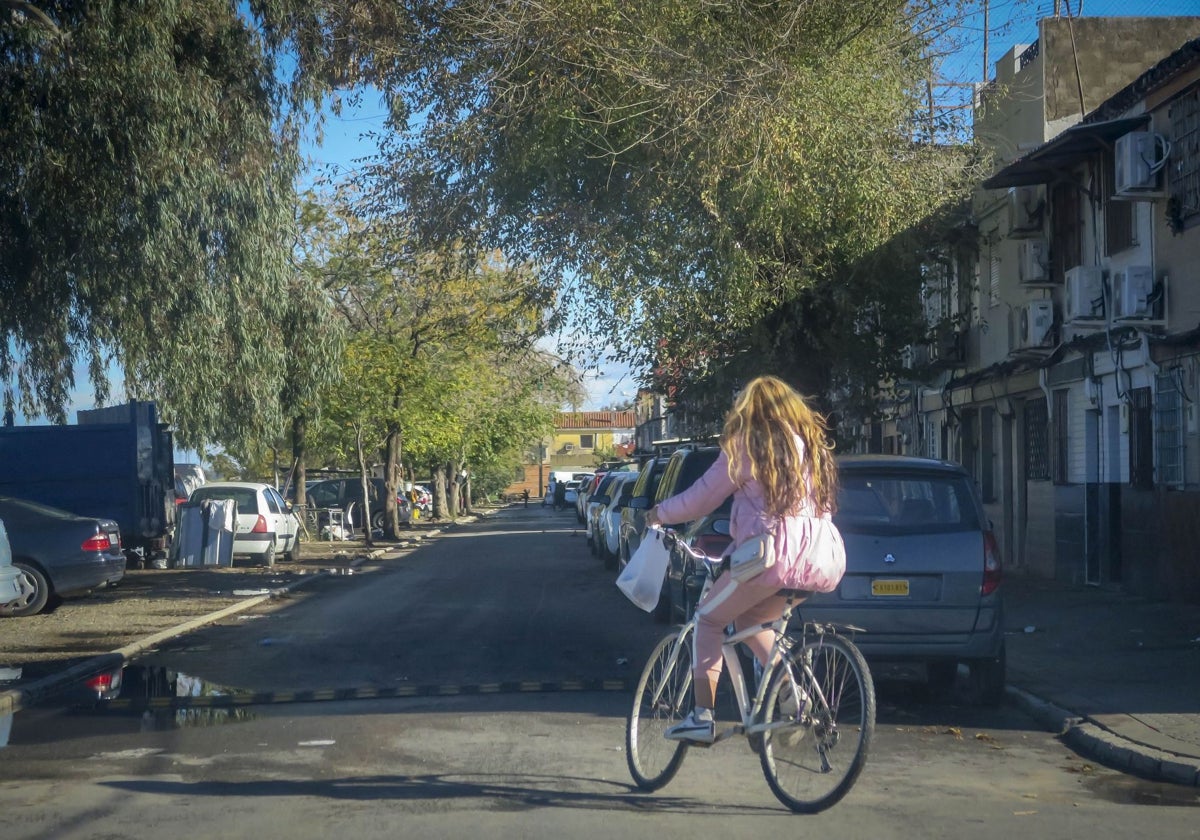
(366, 486)
(438, 474)
(453, 490)
(299, 429)
(393, 476)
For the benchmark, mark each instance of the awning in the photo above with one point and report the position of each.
(1046, 162)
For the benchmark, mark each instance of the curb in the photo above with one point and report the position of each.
(1105, 746)
(15, 699)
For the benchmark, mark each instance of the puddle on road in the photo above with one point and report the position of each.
(1130, 790)
(151, 698)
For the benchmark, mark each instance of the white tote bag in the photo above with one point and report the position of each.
(642, 579)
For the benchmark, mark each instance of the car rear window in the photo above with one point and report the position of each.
(694, 466)
(245, 498)
(905, 503)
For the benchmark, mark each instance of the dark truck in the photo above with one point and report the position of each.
(118, 463)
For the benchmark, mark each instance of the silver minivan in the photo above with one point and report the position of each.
(923, 571)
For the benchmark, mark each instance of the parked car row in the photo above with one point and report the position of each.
(923, 578)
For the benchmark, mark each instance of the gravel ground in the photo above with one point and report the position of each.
(148, 601)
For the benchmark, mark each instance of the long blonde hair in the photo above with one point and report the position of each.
(764, 419)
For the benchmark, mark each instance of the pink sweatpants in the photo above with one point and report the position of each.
(744, 604)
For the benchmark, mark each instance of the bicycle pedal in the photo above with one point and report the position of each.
(727, 733)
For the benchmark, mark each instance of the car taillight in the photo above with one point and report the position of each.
(105, 683)
(260, 527)
(991, 564)
(100, 542)
(713, 545)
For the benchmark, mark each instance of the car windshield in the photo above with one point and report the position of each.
(905, 503)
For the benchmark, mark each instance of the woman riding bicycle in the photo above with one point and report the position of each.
(777, 461)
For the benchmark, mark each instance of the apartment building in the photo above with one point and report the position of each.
(1065, 370)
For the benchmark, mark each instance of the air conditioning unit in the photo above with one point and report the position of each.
(1026, 211)
(1132, 292)
(1139, 157)
(1033, 262)
(1085, 293)
(1035, 321)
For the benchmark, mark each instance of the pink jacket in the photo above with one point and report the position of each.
(748, 518)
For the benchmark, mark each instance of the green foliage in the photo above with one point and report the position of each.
(684, 167)
(147, 155)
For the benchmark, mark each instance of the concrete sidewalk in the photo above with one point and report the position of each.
(1117, 675)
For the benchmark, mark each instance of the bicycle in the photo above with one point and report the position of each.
(811, 719)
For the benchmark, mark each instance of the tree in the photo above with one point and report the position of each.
(147, 157)
(682, 167)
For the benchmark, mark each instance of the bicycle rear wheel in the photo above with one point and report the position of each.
(653, 760)
(820, 716)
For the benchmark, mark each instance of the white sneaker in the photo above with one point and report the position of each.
(702, 730)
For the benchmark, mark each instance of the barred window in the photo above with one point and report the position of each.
(1184, 170)
(1037, 441)
(1062, 442)
(1168, 426)
(994, 278)
(1141, 439)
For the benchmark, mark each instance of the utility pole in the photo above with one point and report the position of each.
(986, 67)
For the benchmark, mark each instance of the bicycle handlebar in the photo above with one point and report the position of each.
(712, 563)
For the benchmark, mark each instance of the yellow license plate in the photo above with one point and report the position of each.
(889, 587)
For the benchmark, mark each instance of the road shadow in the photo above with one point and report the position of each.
(514, 793)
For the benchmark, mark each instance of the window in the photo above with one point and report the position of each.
(1037, 441)
(987, 453)
(587, 441)
(1120, 217)
(1141, 439)
(1066, 229)
(993, 277)
(1168, 426)
(1062, 443)
(1184, 171)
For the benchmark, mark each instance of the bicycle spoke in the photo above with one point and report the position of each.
(663, 693)
(820, 716)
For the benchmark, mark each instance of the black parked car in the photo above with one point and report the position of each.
(683, 469)
(58, 553)
(346, 494)
(709, 535)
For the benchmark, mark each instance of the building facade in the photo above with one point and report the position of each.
(1065, 369)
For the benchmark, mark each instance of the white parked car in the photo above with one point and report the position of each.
(10, 576)
(266, 527)
(620, 491)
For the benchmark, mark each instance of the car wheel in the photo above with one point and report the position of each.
(267, 558)
(378, 520)
(610, 559)
(289, 556)
(35, 601)
(987, 677)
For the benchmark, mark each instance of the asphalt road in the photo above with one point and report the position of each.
(501, 627)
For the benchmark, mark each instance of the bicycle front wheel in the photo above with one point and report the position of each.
(663, 695)
(820, 717)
